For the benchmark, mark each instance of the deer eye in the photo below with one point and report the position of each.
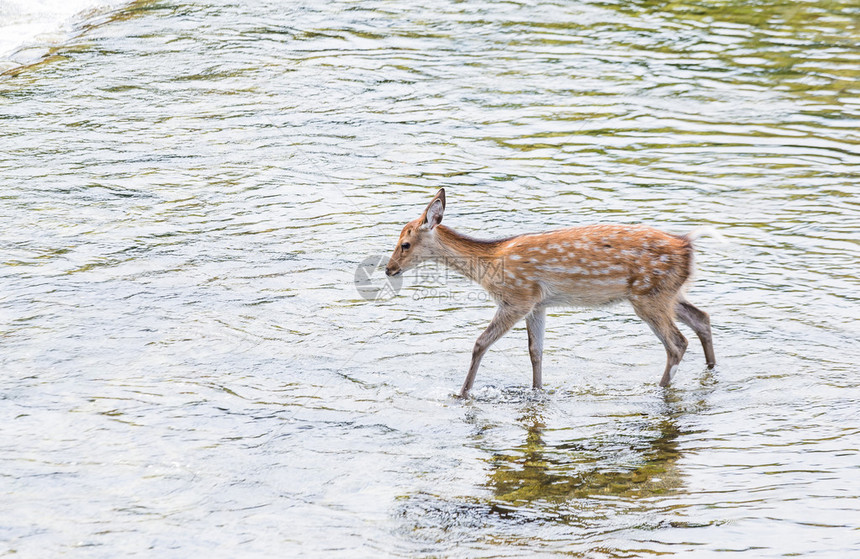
(405, 246)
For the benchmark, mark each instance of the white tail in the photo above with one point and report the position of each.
(579, 266)
(706, 230)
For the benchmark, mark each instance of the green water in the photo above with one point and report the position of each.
(187, 189)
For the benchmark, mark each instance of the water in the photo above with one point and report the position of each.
(30, 28)
(188, 189)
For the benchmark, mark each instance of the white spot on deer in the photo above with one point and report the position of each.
(610, 282)
(515, 257)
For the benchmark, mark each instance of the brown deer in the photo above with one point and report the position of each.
(579, 266)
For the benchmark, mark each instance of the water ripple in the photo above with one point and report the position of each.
(188, 190)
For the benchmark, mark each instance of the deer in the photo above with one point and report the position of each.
(581, 266)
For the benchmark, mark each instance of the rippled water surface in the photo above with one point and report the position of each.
(187, 366)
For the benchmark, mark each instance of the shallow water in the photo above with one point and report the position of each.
(30, 28)
(188, 190)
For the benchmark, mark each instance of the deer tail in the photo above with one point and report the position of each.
(702, 231)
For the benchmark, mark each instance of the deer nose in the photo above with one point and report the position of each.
(387, 271)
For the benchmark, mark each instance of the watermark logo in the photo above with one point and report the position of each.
(478, 269)
(372, 283)
(431, 279)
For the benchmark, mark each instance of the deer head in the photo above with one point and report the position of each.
(417, 241)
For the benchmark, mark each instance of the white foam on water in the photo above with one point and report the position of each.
(34, 25)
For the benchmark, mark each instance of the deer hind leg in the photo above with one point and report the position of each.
(506, 316)
(660, 317)
(535, 325)
(699, 321)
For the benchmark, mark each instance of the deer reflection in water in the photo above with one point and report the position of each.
(640, 461)
(610, 477)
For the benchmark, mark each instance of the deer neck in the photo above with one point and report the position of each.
(474, 258)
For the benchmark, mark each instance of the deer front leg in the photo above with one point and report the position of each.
(535, 325)
(506, 317)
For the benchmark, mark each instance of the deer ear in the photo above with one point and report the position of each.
(441, 196)
(433, 214)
